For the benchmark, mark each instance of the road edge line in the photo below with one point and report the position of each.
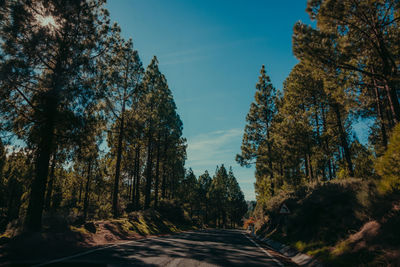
(266, 252)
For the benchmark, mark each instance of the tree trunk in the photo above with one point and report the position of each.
(172, 183)
(87, 188)
(130, 183)
(133, 180)
(206, 212)
(80, 191)
(137, 177)
(380, 115)
(393, 102)
(50, 184)
(325, 141)
(33, 221)
(379, 110)
(311, 168)
(389, 117)
(316, 117)
(118, 163)
(164, 169)
(157, 178)
(330, 169)
(306, 165)
(270, 164)
(343, 139)
(149, 167)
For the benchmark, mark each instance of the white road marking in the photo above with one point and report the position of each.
(266, 252)
(132, 241)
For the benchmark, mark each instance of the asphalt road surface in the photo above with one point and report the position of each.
(196, 248)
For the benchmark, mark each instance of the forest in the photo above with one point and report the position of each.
(87, 132)
(348, 72)
(327, 144)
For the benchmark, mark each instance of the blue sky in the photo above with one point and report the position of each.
(211, 52)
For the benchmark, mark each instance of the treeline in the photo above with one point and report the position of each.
(215, 201)
(348, 70)
(99, 135)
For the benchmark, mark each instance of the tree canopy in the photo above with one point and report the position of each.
(86, 130)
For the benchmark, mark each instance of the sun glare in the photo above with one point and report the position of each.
(47, 21)
(43, 18)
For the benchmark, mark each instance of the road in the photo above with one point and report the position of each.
(195, 248)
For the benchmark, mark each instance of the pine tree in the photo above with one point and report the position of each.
(362, 27)
(189, 191)
(122, 72)
(204, 189)
(257, 142)
(152, 82)
(46, 65)
(237, 206)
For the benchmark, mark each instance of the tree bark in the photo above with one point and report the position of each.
(157, 171)
(380, 115)
(343, 139)
(137, 176)
(164, 169)
(33, 221)
(50, 184)
(80, 191)
(118, 163)
(270, 163)
(311, 168)
(316, 117)
(149, 167)
(393, 102)
(87, 188)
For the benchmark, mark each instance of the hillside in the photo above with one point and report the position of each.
(341, 223)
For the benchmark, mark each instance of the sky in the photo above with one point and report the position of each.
(211, 52)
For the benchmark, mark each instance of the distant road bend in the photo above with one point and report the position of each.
(195, 248)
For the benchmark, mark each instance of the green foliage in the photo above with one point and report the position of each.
(363, 161)
(388, 166)
(216, 201)
(304, 134)
(95, 126)
(257, 142)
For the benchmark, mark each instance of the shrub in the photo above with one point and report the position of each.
(248, 222)
(173, 211)
(388, 166)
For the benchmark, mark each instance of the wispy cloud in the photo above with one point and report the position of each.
(207, 150)
(200, 52)
(212, 146)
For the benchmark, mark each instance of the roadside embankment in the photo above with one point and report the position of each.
(340, 223)
(59, 238)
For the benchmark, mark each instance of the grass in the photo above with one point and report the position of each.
(145, 223)
(79, 230)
